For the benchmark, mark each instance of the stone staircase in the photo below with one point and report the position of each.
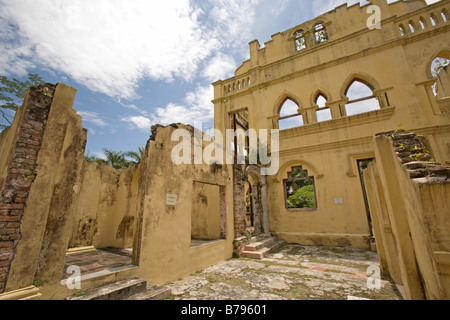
(261, 245)
(132, 289)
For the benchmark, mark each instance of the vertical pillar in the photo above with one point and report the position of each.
(21, 173)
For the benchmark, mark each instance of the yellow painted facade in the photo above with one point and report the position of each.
(396, 69)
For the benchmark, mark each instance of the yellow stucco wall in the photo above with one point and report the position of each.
(410, 218)
(165, 251)
(106, 207)
(396, 67)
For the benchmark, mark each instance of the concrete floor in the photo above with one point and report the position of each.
(292, 273)
(94, 261)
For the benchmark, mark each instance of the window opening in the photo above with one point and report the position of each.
(402, 31)
(320, 33)
(300, 41)
(323, 113)
(444, 15)
(361, 98)
(433, 20)
(299, 189)
(440, 87)
(422, 23)
(289, 117)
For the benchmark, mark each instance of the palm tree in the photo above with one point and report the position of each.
(136, 155)
(117, 159)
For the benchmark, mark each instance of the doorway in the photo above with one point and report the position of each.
(363, 164)
(249, 207)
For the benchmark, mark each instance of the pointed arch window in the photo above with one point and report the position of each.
(300, 40)
(300, 191)
(289, 117)
(412, 27)
(320, 33)
(323, 112)
(402, 30)
(361, 98)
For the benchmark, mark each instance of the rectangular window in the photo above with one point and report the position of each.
(299, 189)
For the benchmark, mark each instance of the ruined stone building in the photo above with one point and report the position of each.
(363, 155)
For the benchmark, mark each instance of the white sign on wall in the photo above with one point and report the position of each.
(171, 199)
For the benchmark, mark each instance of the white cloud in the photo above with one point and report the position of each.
(142, 123)
(197, 106)
(92, 117)
(109, 45)
(219, 67)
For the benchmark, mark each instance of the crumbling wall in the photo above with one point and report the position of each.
(408, 198)
(106, 207)
(46, 149)
(168, 195)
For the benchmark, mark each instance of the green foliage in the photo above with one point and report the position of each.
(12, 93)
(119, 160)
(39, 282)
(303, 197)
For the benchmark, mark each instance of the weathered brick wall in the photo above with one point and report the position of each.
(414, 156)
(239, 179)
(21, 174)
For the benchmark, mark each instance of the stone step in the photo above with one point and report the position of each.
(114, 291)
(255, 246)
(270, 247)
(260, 237)
(153, 292)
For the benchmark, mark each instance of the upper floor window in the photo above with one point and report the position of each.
(433, 20)
(289, 116)
(320, 33)
(422, 23)
(402, 30)
(323, 112)
(299, 189)
(444, 14)
(361, 98)
(300, 41)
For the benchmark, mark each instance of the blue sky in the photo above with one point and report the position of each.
(136, 63)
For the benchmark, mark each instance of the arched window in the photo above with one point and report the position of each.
(411, 27)
(323, 113)
(422, 23)
(444, 14)
(320, 33)
(299, 189)
(289, 117)
(300, 41)
(433, 19)
(361, 99)
(441, 88)
(402, 30)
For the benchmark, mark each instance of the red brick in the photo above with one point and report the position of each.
(6, 244)
(16, 212)
(8, 231)
(5, 263)
(13, 206)
(9, 218)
